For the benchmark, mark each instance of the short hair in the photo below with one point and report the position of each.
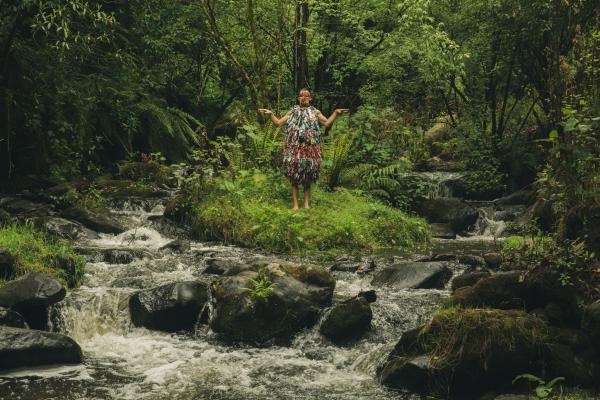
(304, 90)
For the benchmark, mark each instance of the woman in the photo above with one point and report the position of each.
(302, 151)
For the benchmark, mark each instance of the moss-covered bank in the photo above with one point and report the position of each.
(254, 209)
(33, 251)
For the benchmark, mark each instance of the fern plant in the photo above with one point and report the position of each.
(385, 183)
(168, 130)
(335, 157)
(265, 144)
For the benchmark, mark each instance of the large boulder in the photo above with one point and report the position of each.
(29, 348)
(31, 295)
(65, 228)
(12, 318)
(469, 351)
(529, 290)
(171, 307)
(347, 321)
(100, 222)
(453, 211)
(266, 305)
(414, 275)
(582, 223)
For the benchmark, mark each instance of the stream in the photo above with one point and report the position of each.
(125, 362)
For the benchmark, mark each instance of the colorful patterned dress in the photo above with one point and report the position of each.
(302, 151)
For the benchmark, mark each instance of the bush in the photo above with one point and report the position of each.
(34, 251)
(254, 209)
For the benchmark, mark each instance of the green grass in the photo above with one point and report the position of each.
(455, 333)
(34, 251)
(254, 209)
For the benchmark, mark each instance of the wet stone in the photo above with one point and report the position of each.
(414, 275)
(28, 348)
(12, 318)
(347, 321)
(118, 257)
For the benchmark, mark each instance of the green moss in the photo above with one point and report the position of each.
(35, 252)
(454, 334)
(255, 210)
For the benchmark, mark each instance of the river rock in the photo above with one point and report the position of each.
(99, 222)
(561, 361)
(455, 212)
(115, 256)
(369, 295)
(346, 263)
(470, 260)
(347, 321)
(442, 231)
(7, 264)
(12, 318)
(31, 295)
(480, 351)
(412, 373)
(493, 260)
(530, 290)
(29, 348)
(415, 275)
(65, 228)
(224, 266)
(468, 279)
(23, 207)
(177, 245)
(298, 294)
(171, 307)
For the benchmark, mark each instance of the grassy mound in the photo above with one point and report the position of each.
(455, 335)
(35, 252)
(254, 209)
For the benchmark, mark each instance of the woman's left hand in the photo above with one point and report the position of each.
(341, 110)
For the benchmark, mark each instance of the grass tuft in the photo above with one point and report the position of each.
(36, 252)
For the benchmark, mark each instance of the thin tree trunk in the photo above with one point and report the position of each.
(300, 52)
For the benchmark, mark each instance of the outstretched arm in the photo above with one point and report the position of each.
(329, 121)
(276, 121)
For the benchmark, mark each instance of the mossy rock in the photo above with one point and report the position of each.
(469, 351)
(295, 300)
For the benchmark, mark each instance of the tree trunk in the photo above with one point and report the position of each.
(299, 50)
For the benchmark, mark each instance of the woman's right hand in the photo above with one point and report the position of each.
(265, 111)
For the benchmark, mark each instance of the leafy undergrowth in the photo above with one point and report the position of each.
(254, 209)
(35, 252)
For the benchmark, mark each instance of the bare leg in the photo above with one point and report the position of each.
(307, 195)
(295, 196)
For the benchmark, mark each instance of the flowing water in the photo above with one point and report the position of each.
(124, 362)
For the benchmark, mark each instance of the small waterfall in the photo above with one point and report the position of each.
(486, 225)
(90, 312)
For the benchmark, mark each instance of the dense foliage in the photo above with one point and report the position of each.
(506, 91)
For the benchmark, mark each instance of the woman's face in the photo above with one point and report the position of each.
(304, 98)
